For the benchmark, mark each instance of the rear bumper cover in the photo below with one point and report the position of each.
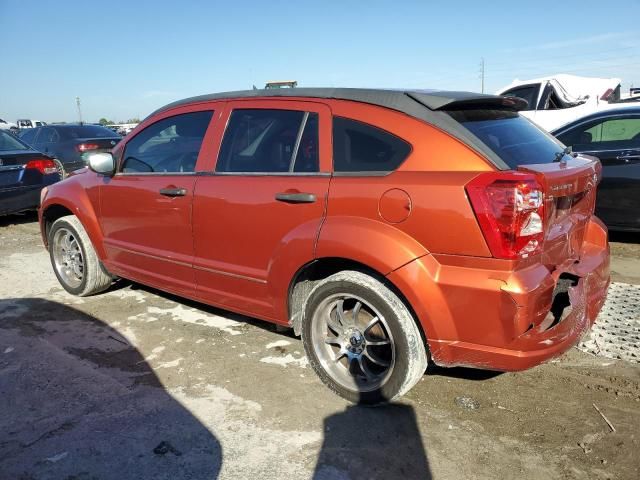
(478, 316)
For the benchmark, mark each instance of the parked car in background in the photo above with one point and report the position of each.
(23, 173)
(24, 123)
(8, 126)
(559, 99)
(388, 228)
(69, 144)
(614, 137)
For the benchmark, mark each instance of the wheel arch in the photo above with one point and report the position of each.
(318, 269)
(56, 208)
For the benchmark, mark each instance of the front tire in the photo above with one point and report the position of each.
(74, 259)
(60, 168)
(361, 340)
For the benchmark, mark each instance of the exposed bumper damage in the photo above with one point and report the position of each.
(509, 321)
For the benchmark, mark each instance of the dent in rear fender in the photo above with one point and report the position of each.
(378, 245)
(76, 198)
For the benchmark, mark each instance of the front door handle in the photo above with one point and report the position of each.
(295, 197)
(173, 192)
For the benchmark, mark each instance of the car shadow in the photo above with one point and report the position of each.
(18, 218)
(79, 401)
(464, 373)
(382, 442)
(624, 237)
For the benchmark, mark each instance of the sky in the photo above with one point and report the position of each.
(125, 59)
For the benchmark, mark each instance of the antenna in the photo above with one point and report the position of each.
(481, 75)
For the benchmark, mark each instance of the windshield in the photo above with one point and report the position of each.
(8, 142)
(87, 131)
(516, 140)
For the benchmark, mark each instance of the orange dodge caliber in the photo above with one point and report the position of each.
(388, 228)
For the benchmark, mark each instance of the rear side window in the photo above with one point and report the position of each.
(513, 138)
(360, 147)
(270, 141)
(604, 134)
(171, 145)
(8, 142)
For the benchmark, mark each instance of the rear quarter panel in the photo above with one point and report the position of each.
(439, 217)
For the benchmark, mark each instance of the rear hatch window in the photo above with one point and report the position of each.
(568, 186)
(513, 138)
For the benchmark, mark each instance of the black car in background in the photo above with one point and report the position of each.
(614, 137)
(23, 173)
(69, 144)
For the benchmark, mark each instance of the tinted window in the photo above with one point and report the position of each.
(9, 142)
(28, 135)
(86, 131)
(270, 141)
(513, 138)
(360, 147)
(47, 135)
(529, 93)
(170, 145)
(604, 134)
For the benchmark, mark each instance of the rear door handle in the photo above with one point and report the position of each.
(295, 197)
(173, 192)
(628, 157)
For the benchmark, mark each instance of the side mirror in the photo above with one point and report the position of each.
(102, 163)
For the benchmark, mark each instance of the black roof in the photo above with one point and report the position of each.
(427, 105)
(407, 101)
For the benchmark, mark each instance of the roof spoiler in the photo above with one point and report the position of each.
(466, 100)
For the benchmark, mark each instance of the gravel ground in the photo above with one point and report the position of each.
(135, 383)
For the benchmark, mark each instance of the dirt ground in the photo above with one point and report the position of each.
(135, 383)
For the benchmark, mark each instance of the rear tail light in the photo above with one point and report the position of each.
(510, 210)
(84, 147)
(43, 165)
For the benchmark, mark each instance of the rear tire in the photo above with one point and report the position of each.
(361, 340)
(74, 259)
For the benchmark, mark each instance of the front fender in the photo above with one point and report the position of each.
(80, 198)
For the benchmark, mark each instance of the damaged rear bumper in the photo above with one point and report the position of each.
(485, 317)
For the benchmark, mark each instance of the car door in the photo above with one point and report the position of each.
(145, 208)
(615, 140)
(257, 214)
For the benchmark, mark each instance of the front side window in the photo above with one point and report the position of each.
(360, 147)
(270, 141)
(171, 145)
(604, 134)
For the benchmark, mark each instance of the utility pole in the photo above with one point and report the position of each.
(482, 75)
(79, 109)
